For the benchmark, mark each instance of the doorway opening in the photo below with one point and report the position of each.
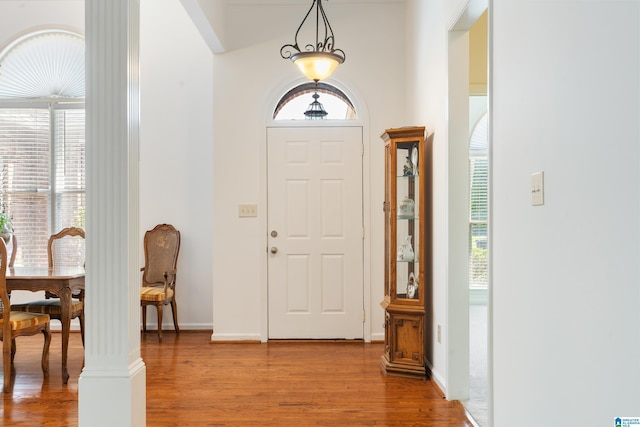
(469, 297)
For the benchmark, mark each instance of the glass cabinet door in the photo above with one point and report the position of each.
(387, 221)
(407, 230)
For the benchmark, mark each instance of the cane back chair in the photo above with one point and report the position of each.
(161, 248)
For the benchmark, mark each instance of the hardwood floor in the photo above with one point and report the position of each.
(192, 382)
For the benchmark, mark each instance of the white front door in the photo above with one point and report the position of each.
(315, 229)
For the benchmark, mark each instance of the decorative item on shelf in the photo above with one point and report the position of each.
(406, 208)
(6, 228)
(414, 159)
(412, 287)
(405, 252)
(407, 169)
(316, 57)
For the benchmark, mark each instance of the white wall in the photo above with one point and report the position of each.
(566, 280)
(249, 79)
(176, 149)
(176, 134)
(427, 100)
(21, 17)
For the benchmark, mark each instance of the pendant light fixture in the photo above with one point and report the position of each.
(316, 110)
(318, 58)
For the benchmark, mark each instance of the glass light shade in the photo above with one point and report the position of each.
(316, 65)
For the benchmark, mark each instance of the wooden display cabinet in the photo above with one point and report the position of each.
(407, 251)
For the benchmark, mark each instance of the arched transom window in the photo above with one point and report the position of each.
(297, 101)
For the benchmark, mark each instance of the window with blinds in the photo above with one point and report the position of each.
(478, 204)
(42, 143)
(25, 179)
(69, 173)
(42, 179)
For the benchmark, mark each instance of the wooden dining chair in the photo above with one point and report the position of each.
(161, 248)
(64, 249)
(15, 323)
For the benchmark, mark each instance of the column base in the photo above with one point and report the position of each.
(100, 391)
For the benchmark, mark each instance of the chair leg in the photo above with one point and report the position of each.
(174, 311)
(45, 349)
(144, 318)
(6, 364)
(13, 349)
(81, 319)
(159, 307)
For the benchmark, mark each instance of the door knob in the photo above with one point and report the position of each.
(274, 250)
(274, 233)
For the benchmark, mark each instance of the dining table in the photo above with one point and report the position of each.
(62, 281)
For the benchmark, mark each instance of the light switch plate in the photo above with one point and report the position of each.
(537, 189)
(247, 211)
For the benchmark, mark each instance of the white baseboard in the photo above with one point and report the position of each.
(377, 336)
(235, 337)
(57, 326)
(438, 379)
(75, 326)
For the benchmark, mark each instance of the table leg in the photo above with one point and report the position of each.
(65, 305)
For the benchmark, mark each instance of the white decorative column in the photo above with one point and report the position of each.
(112, 384)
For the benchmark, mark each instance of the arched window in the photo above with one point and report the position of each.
(294, 103)
(43, 65)
(42, 142)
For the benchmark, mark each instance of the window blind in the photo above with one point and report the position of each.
(478, 210)
(69, 169)
(42, 174)
(478, 204)
(25, 179)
